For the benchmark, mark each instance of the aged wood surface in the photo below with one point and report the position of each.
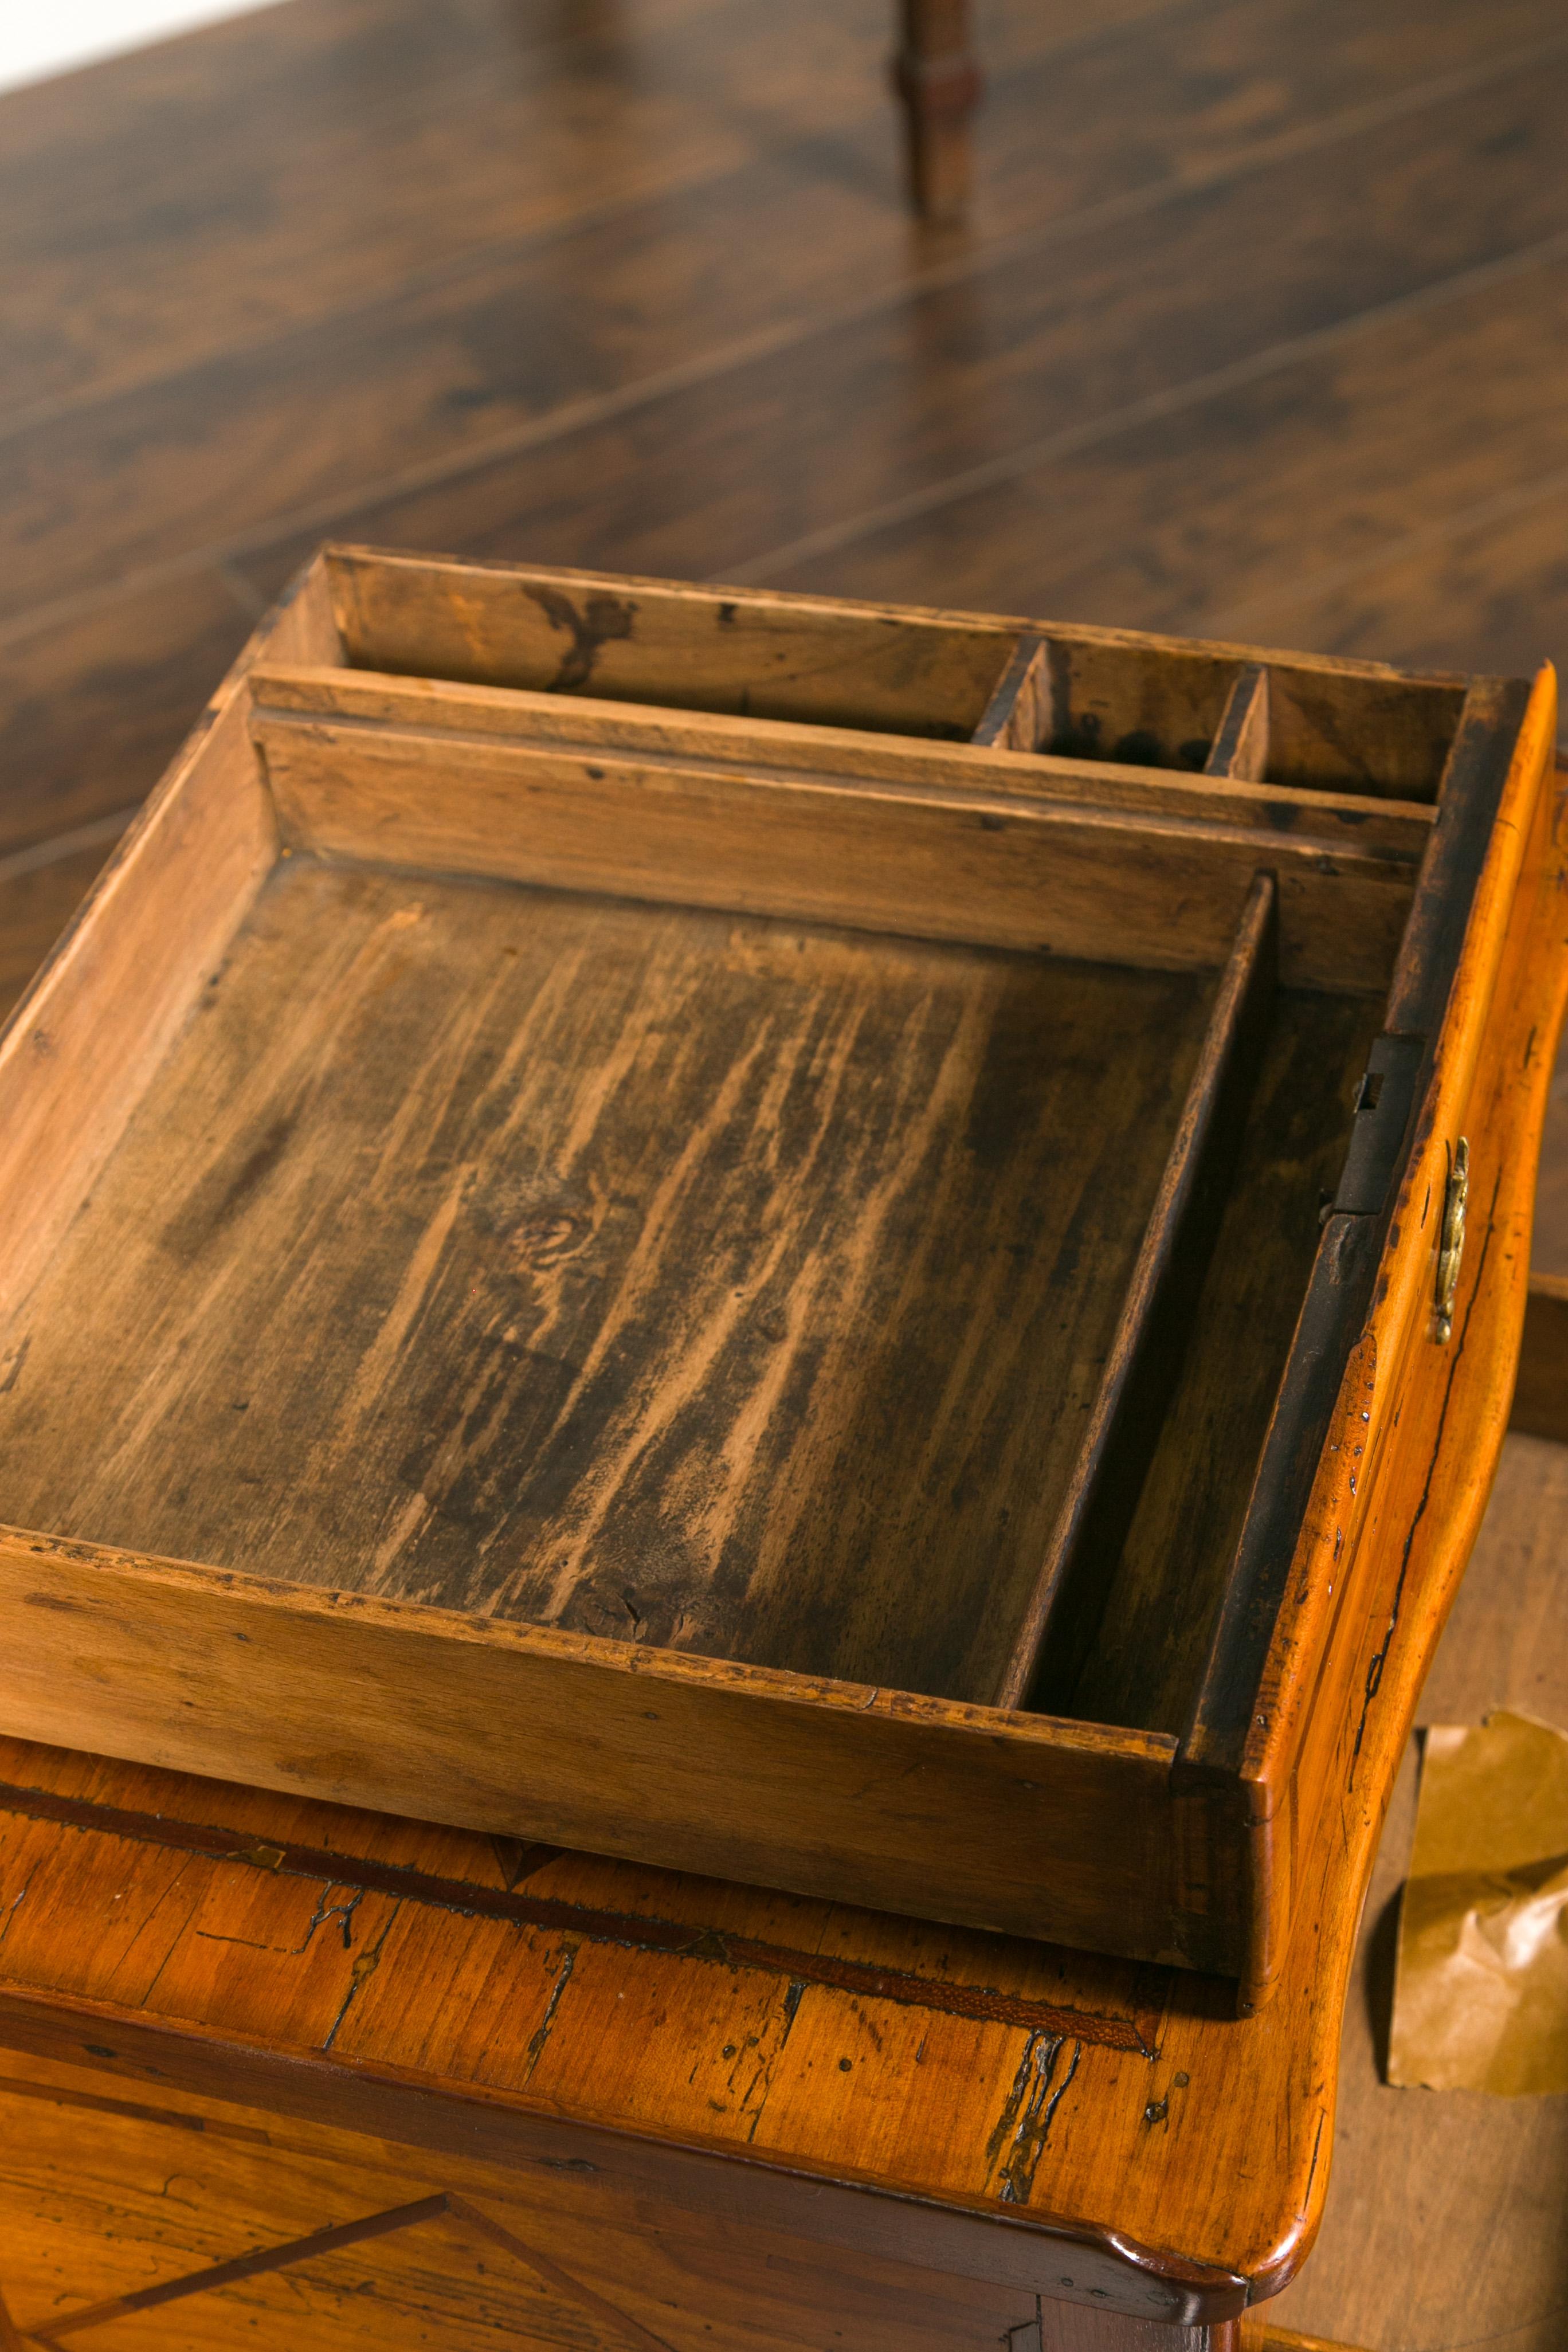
(652, 641)
(1396, 154)
(1241, 744)
(1501, 1020)
(1143, 1363)
(1165, 1586)
(1336, 819)
(429, 1275)
(616, 1466)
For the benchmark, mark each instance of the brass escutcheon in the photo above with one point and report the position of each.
(1452, 1247)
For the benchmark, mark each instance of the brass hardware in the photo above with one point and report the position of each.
(1452, 1247)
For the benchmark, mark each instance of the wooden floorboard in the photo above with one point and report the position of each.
(1260, 326)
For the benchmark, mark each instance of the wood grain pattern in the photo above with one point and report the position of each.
(192, 1988)
(937, 74)
(616, 1464)
(1142, 1363)
(610, 1269)
(1398, 1374)
(1018, 716)
(433, 366)
(1336, 819)
(158, 921)
(1345, 724)
(619, 2273)
(658, 640)
(1166, 1587)
(1016, 873)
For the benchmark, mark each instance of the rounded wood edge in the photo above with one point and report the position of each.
(1304, 2002)
(834, 2207)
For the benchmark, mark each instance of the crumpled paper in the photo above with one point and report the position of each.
(1480, 1998)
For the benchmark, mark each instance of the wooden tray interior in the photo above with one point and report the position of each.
(714, 1282)
(729, 1190)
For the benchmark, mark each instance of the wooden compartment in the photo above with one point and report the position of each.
(609, 1239)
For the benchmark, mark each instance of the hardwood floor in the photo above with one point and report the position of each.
(1259, 327)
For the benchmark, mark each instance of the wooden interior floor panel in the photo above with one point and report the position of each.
(710, 1283)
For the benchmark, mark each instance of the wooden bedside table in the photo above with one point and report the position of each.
(276, 2062)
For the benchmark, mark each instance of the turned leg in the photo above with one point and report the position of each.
(938, 78)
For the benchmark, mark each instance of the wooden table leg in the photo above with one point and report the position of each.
(938, 77)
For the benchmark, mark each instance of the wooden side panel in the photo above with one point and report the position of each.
(1241, 749)
(1169, 1582)
(86, 1037)
(102, 1009)
(302, 626)
(776, 656)
(1009, 874)
(1018, 1824)
(1435, 1024)
(1449, 1403)
(1152, 701)
(87, 2214)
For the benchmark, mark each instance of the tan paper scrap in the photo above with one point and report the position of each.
(1480, 2000)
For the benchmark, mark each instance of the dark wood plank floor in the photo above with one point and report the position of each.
(1260, 326)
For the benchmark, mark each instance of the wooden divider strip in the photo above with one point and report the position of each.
(1146, 1353)
(1241, 749)
(1018, 716)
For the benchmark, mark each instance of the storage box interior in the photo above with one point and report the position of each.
(708, 1281)
(509, 1223)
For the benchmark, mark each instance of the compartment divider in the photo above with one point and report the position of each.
(1240, 748)
(1146, 1353)
(1018, 716)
